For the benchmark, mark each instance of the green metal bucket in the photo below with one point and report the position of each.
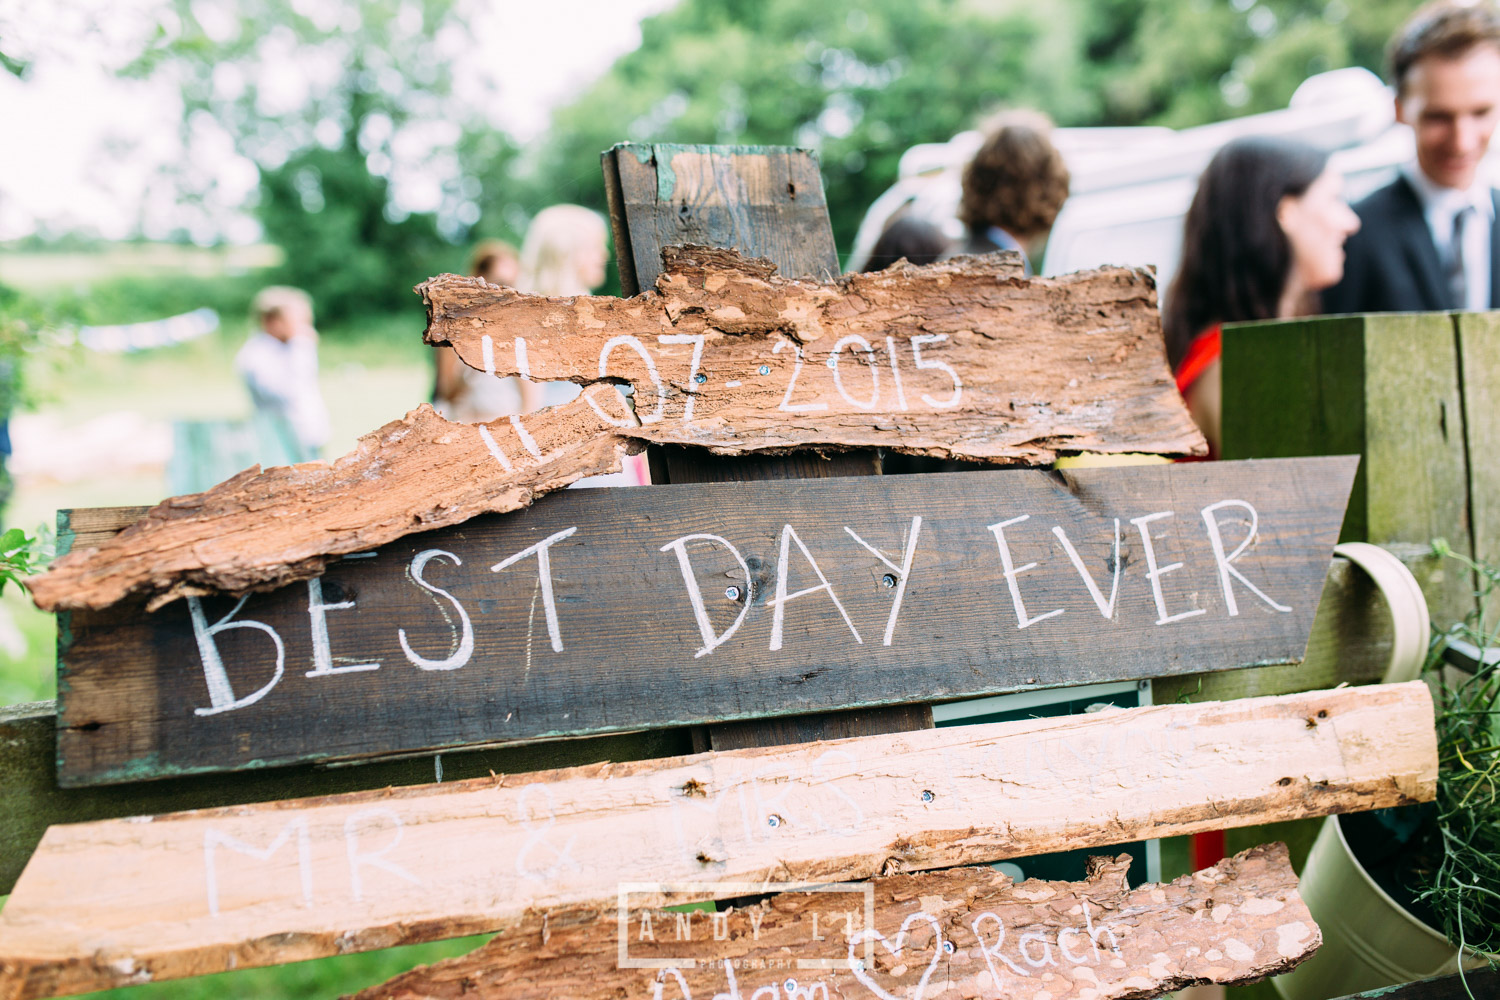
(1368, 940)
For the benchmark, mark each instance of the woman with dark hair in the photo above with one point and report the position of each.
(1265, 233)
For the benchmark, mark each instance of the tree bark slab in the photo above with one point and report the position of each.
(266, 528)
(949, 935)
(127, 901)
(962, 359)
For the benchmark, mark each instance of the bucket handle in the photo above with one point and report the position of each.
(1403, 596)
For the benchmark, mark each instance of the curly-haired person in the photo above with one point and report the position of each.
(1013, 188)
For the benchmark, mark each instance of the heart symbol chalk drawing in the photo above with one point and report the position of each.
(858, 968)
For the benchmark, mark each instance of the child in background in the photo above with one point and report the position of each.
(279, 364)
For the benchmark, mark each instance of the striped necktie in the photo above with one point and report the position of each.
(1458, 283)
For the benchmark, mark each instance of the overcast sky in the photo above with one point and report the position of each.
(81, 145)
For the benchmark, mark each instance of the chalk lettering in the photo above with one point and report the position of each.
(890, 352)
(359, 859)
(487, 353)
(779, 602)
(317, 613)
(690, 387)
(1011, 572)
(916, 353)
(634, 343)
(656, 987)
(493, 446)
(786, 401)
(901, 571)
(1106, 608)
(464, 634)
(213, 839)
(544, 576)
(527, 441)
(1225, 563)
(711, 640)
(895, 948)
(838, 379)
(536, 836)
(992, 952)
(220, 695)
(1045, 958)
(1155, 573)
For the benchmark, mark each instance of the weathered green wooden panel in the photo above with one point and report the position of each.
(1384, 386)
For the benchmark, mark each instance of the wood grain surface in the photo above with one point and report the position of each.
(263, 529)
(960, 933)
(127, 901)
(959, 359)
(676, 605)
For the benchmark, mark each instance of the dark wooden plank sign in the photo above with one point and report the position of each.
(601, 611)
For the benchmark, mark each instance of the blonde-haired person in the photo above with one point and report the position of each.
(279, 364)
(466, 394)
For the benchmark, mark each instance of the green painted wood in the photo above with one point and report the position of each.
(33, 800)
(1479, 356)
(1386, 387)
(372, 661)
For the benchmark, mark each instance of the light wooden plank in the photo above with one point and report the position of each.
(122, 901)
(609, 637)
(952, 935)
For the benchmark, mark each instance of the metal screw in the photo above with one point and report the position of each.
(773, 820)
(733, 593)
(833, 361)
(927, 795)
(857, 964)
(948, 947)
(790, 985)
(888, 581)
(765, 369)
(700, 378)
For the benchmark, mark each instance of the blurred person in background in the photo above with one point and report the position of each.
(1429, 237)
(565, 252)
(466, 394)
(279, 364)
(1265, 233)
(908, 237)
(1013, 188)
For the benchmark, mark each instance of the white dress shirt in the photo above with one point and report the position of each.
(1439, 206)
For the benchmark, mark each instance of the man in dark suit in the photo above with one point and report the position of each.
(1429, 240)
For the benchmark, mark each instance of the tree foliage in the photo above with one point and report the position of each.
(862, 81)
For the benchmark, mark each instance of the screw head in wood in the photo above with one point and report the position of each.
(927, 795)
(765, 369)
(700, 378)
(888, 581)
(733, 593)
(948, 947)
(773, 820)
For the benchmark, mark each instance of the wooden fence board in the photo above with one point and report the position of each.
(952, 935)
(125, 901)
(1386, 387)
(1479, 357)
(1481, 984)
(1350, 644)
(765, 201)
(628, 626)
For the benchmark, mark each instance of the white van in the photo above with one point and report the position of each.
(1131, 187)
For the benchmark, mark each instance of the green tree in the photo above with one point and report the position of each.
(863, 80)
(339, 106)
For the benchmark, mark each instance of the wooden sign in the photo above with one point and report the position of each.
(613, 610)
(125, 901)
(960, 359)
(262, 529)
(951, 935)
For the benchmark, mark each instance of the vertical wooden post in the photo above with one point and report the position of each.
(764, 202)
(1387, 387)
